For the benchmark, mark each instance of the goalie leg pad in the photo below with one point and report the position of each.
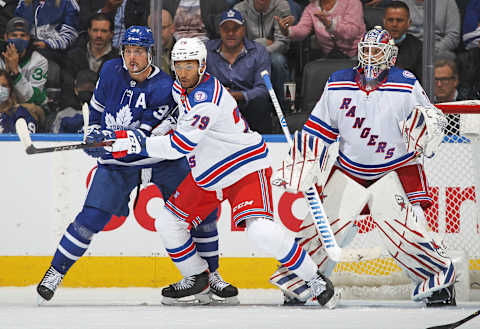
(344, 200)
(405, 240)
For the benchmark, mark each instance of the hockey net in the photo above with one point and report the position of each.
(453, 175)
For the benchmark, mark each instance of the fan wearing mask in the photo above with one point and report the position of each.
(26, 68)
(11, 111)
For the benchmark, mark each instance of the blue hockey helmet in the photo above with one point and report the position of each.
(138, 36)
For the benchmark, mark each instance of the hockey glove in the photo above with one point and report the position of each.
(303, 164)
(128, 142)
(95, 136)
(167, 125)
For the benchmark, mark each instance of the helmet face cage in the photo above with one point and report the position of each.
(187, 49)
(376, 52)
(140, 36)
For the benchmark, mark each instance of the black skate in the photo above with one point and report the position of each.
(442, 297)
(50, 282)
(190, 290)
(222, 291)
(322, 289)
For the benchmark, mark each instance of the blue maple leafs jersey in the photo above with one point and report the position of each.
(121, 103)
(8, 119)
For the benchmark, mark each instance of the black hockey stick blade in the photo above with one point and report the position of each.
(31, 149)
(458, 323)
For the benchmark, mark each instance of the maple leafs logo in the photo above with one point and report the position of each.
(123, 120)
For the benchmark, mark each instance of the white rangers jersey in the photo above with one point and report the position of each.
(366, 123)
(213, 135)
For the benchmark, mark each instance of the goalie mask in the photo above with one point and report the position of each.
(140, 36)
(376, 53)
(187, 49)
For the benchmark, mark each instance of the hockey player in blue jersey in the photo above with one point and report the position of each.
(131, 93)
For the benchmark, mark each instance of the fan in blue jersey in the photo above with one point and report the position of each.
(131, 93)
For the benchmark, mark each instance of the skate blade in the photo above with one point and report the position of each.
(215, 300)
(198, 299)
(41, 301)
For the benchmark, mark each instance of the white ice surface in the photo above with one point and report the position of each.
(138, 308)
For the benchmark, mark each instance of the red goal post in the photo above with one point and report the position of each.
(453, 176)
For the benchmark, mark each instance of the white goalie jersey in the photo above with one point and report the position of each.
(366, 123)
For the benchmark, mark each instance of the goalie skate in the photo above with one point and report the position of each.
(191, 290)
(443, 297)
(50, 282)
(222, 292)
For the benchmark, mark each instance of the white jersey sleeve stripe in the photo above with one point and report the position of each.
(320, 129)
(96, 105)
(181, 143)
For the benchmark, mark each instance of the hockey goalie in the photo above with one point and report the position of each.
(384, 124)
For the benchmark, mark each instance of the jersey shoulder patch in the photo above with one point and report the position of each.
(210, 90)
(398, 75)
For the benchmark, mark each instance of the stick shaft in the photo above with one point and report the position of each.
(316, 208)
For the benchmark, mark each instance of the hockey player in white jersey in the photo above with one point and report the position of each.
(131, 94)
(228, 162)
(383, 121)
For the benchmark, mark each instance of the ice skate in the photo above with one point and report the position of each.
(221, 291)
(46, 288)
(190, 290)
(442, 297)
(322, 289)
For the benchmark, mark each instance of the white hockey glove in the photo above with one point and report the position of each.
(168, 124)
(423, 130)
(129, 142)
(302, 165)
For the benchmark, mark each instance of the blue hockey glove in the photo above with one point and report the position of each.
(96, 136)
(129, 142)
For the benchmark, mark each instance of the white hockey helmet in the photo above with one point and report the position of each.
(187, 49)
(376, 52)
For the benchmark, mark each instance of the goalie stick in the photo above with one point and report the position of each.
(458, 323)
(24, 136)
(316, 208)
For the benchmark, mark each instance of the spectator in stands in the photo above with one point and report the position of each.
(376, 3)
(237, 62)
(446, 83)
(447, 25)
(11, 111)
(89, 54)
(471, 25)
(468, 64)
(261, 27)
(396, 20)
(167, 40)
(53, 24)
(87, 9)
(137, 12)
(7, 8)
(26, 67)
(70, 119)
(338, 26)
(196, 18)
(116, 10)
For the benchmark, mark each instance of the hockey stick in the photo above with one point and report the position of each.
(313, 199)
(24, 135)
(458, 323)
(86, 119)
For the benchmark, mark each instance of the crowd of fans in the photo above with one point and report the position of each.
(51, 51)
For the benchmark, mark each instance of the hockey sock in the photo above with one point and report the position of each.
(273, 239)
(72, 246)
(205, 237)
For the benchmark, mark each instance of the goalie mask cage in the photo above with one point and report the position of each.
(367, 271)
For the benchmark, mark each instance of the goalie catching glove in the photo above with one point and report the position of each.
(303, 165)
(423, 130)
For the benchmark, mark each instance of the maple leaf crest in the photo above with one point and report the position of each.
(123, 120)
